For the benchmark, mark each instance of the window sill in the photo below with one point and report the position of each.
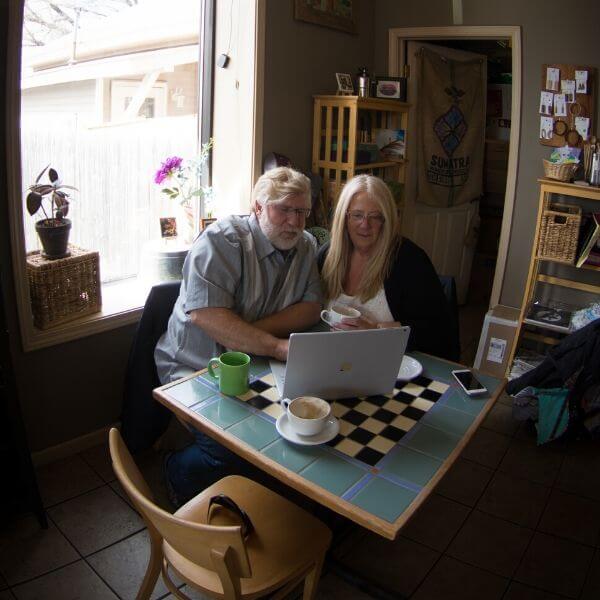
(122, 304)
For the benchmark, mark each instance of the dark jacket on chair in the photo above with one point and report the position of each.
(143, 419)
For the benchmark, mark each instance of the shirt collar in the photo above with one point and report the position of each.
(262, 244)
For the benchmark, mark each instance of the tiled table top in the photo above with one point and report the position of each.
(380, 497)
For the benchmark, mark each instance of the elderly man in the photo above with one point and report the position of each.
(248, 282)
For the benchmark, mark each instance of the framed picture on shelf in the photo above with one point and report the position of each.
(168, 227)
(391, 87)
(336, 14)
(204, 223)
(344, 83)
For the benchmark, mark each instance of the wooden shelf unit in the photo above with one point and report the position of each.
(337, 134)
(548, 187)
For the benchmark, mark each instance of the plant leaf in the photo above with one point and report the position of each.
(40, 175)
(42, 189)
(64, 209)
(53, 175)
(68, 187)
(167, 191)
(34, 201)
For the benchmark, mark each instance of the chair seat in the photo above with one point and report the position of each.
(286, 542)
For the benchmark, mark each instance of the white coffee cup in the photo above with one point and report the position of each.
(338, 313)
(307, 415)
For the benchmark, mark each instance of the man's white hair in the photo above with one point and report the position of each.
(277, 184)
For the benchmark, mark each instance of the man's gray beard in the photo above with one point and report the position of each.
(272, 235)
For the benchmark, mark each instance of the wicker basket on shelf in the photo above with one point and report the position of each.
(562, 172)
(559, 232)
(65, 289)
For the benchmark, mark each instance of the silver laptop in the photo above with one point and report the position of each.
(341, 364)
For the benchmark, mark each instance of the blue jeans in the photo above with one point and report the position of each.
(201, 464)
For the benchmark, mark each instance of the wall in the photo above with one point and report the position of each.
(575, 43)
(67, 390)
(301, 60)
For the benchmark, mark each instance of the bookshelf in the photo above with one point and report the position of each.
(341, 124)
(560, 280)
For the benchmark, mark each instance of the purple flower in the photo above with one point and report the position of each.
(167, 168)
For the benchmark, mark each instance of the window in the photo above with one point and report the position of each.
(106, 96)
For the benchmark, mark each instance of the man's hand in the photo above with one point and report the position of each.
(230, 330)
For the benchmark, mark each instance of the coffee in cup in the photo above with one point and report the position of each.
(338, 313)
(307, 415)
(233, 370)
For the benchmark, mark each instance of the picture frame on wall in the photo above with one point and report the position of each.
(393, 88)
(336, 14)
(344, 83)
(204, 223)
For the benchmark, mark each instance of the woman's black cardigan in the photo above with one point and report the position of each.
(416, 298)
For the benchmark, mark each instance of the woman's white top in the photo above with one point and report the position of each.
(375, 309)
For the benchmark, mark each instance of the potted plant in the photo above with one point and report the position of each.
(54, 229)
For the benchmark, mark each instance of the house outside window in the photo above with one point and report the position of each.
(107, 94)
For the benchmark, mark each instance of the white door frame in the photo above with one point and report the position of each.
(399, 35)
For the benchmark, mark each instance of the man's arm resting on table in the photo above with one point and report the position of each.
(231, 331)
(296, 317)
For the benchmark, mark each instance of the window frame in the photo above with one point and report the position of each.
(107, 319)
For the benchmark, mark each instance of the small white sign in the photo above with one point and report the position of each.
(552, 79)
(496, 350)
(546, 128)
(567, 87)
(581, 78)
(582, 125)
(560, 105)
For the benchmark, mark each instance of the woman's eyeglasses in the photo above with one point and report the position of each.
(357, 217)
(288, 211)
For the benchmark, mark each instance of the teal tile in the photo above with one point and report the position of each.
(410, 465)
(436, 368)
(211, 380)
(190, 392)
(384, 499)
(255, 431)
(224, 412)
(432, 442)
(259, 366)
(292, 456)
(448, 419)
(491, 383)
(458, 400)
(333, 473)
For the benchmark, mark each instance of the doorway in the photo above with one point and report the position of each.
(484, 224)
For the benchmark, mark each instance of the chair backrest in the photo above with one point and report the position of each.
(144, 420)
(195, 541)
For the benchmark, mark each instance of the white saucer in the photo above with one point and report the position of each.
(329, 432)
(409, 369)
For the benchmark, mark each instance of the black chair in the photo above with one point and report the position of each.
(449, 287)
(143, 420)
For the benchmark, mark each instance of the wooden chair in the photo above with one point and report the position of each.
(287, 544)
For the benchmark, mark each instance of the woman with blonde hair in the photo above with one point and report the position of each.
(368, 265)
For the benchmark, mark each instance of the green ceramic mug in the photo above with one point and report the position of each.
(233, 369)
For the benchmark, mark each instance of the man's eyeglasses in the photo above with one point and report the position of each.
(288, 211)
(357, 217)
(228, 503)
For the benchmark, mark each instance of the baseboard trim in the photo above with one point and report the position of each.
(72, 447)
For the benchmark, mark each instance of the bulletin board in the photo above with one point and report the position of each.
(567, 99)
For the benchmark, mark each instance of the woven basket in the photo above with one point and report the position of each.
(65, 289)
(562, 172)
(559, 232)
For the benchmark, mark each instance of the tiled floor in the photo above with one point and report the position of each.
(510, 520)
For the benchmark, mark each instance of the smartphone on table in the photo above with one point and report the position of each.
(468, 382)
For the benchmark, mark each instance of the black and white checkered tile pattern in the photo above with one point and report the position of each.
(369, 426)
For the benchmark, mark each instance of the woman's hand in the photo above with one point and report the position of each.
(354, 324)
